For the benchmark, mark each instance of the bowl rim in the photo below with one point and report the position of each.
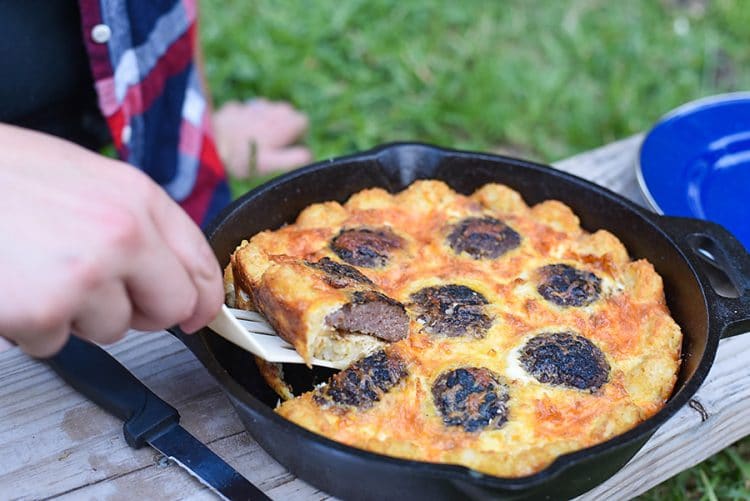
(680, 111)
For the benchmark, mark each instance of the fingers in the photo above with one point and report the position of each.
(160, 288)
(282, 159)
(186, 243)
(105, 314)
(38, 323)
(270, 126)
(236, 157)
(103, 317)
(5, 344)
(44, 344)
(268, 123)
(283, 124)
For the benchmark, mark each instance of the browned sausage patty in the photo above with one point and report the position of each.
(369, 248)
(372, 313)
(483, 238)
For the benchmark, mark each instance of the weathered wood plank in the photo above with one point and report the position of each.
(51, 433)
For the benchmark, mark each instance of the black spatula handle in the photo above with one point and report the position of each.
(96, 374)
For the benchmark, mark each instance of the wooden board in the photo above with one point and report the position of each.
(54, 443)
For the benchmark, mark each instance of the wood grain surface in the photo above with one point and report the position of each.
(55, 444)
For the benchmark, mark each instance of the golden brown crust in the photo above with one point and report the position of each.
(230, 291)
(274, 375)
(521, 277)
(299, 298)
(285, 312)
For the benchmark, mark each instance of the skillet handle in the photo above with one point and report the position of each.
(723, 266)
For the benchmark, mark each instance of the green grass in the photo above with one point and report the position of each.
(724, 476)
(541, 79)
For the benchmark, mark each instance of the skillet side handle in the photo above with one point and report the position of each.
(710, 247)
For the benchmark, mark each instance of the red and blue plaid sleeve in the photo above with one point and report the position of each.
(150, 92)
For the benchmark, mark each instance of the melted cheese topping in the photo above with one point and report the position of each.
(629, 322)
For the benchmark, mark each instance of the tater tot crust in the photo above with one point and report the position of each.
(522, 276)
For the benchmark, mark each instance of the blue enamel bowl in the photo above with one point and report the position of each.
(695, 162)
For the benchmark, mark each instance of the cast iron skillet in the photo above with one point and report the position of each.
(682, 250)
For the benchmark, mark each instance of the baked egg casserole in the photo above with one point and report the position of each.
(477, 330)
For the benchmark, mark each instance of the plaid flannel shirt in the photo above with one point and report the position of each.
(150, 92)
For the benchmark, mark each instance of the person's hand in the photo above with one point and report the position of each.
(258, 136)
(92, 246)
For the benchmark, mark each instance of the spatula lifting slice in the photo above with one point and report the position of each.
(249, 330)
